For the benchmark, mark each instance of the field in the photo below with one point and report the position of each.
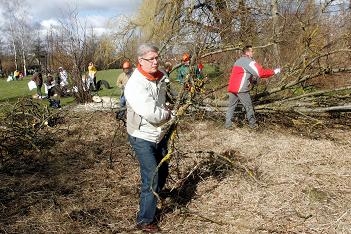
(11, 91)
(83, 178)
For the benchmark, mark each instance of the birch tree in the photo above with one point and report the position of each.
(18, 29)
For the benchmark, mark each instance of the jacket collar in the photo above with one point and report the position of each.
(152, 77)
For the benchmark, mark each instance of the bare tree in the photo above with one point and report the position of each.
(275, 19)
(306, 38)
(105, 52)
(9, 9)
(18, 29)
(72, 45)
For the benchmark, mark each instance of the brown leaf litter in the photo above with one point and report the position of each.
(275, 180)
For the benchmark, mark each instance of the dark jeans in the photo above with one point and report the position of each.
(50, 92)
(121, 112)
(149, 154)
(122, 101)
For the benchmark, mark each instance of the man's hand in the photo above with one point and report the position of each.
(277, 70)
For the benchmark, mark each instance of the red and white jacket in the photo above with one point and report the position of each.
(244, 69)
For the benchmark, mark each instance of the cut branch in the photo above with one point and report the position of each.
(301, 80)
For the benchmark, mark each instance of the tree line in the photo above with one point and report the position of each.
(309, 39)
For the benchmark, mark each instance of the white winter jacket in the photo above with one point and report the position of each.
(146, 110)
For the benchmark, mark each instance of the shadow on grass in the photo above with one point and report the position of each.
(51, 178)
(37, 177)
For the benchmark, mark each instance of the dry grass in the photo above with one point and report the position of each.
(222, 181)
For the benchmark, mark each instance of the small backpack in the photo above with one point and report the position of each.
(54, 103)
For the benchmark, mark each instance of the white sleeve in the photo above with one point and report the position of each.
(140, 99)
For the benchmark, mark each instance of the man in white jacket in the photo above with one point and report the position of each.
(145, 93)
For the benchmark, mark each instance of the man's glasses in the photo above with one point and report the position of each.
(151, 59)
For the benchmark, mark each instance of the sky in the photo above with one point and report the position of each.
(95, 12)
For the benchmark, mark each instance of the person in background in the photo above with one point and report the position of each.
(63, 77)
(183, 70)
(50, 84)
(171, 94)
(38, 79)
(145, 93)
(168, 68)
(122, 80)
(243, 72)
(121, 83)
(16, 74)
(20, 76)
(91, 76)
(199, 71)
(10, 78)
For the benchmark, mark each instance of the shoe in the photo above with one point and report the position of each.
(255, 128)
(231, 126)
(228, 126)
(148, 227)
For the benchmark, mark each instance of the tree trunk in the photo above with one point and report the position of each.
(275, 32)
(24, 59)
(13, 45)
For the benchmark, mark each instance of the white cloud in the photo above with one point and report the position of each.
(95, 13)
(48, 23)
(44, 9)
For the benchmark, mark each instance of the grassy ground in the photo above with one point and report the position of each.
(11, 91)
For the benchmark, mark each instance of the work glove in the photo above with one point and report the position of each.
(173, 115)
(277, 70)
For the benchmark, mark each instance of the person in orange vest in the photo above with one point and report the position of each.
(199, 71)
(183, 70)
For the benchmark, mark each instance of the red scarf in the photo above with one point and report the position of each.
(152, 77)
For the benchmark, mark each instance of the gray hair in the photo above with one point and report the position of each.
(146, 48)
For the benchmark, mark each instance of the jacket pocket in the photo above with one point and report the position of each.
(133, 120)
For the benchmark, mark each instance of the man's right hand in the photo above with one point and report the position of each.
(277, 70)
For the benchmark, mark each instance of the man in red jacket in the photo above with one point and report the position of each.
(244, 71)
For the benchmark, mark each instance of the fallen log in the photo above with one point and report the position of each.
(346, 108)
